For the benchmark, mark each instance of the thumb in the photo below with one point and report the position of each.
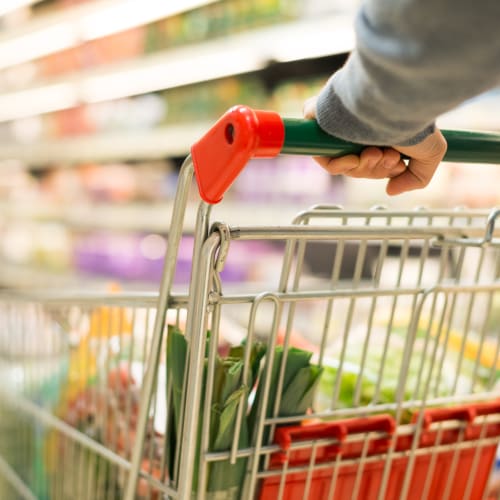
(416, 176)
(425, 158)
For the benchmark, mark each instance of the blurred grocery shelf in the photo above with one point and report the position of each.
(22, 276)
(68, 28)
(162, 142)
(232, 55)
(153, 217)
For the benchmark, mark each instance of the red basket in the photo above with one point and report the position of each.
(438, 471)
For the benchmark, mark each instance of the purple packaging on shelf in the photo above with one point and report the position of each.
(116, 256)
(141, 257)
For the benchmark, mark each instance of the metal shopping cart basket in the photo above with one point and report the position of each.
(376, 378)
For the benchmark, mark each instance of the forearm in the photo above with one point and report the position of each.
(413, 61)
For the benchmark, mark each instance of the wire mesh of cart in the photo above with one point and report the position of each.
(374, 375)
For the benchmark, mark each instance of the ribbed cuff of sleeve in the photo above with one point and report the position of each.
(335, 119)
(417, 138)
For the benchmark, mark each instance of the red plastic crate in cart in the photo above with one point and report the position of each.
(447, 446)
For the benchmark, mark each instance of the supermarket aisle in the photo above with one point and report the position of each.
(100, 102)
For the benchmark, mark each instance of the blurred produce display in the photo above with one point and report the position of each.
(372, 375)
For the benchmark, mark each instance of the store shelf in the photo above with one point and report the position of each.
(146, 217)
(69, 27)
(37, 278)
(163, 142)
(232, 55)
(101, 227)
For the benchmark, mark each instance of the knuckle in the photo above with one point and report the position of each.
(439, 147)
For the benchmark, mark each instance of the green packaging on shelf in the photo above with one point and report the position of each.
(206, 101)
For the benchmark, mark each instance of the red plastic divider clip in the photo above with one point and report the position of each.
(285, 436)
(337, 430)
(463, 413)
(240, 134)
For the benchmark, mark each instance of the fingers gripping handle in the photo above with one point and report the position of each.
(240, 134)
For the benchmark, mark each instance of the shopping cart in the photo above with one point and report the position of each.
(374, 378)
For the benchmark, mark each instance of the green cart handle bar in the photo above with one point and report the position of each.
(243, 133)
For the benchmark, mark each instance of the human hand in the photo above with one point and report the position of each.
(385, 162)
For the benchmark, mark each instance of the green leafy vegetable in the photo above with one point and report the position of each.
(231, 388)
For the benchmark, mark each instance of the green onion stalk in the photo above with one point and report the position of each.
(225, 480)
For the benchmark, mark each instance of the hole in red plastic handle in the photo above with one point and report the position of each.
(229, 133)
(240, 134)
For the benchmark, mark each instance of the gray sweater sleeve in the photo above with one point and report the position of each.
(414, 60)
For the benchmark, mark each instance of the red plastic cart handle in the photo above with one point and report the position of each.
(240, 134)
